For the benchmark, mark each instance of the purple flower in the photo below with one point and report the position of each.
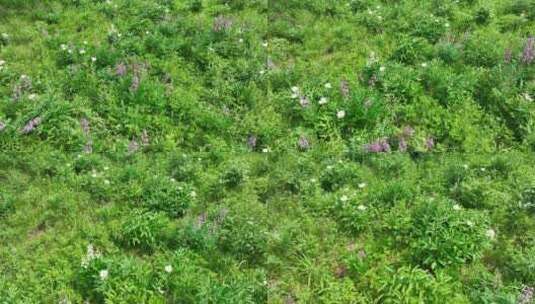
(526, 295)
(88, 147)
(120, 69)
(429, 143)
(201, 220)
(378, 146)
(344, 88)
(303, 143)
(402, 145)
(135, 83)
(251, 141)
(133, 146)
(145, 138)
(529, 51)
(508, 55)
(24, 85)
(407, 131)
(221, 23)
(84, 123)
(384, 145)
(2, 126)
(32, 124)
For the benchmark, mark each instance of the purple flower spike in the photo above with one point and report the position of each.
(120, 69)
(407, 131)
(133, 146)
(303, 143)
(84, 124)
(88, 147)
(222, 23)
(402, 145)
(251, 142)
(31, 125)
(429, 143)
(529, 51)
(385, 146)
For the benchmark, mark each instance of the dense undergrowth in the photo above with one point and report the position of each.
(267, 151)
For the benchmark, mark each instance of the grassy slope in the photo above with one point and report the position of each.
(329, 225)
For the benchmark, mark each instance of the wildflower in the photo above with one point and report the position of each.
(221, 23)
(470, 223)
(24, 85)
(265, 150)
(490, 233)
(63, 47)
(251, 142)
(135, 83)
(82, 51)
(88, 147)
(304, 101)
(303, 143)
(94, 59)
(344, 88)
(323, 100)
(407, 131)
(341, 114)
(106, 181)
(145, 138)
(529, 51)
(2, 62)
(193, 194)
(270, 64)
(31, 125)
(264, 44)
(362, 185)
(120, 69)
(402, 145)
(382, 69)
(424, 65)
(526, 295)
(508, 55)
(91, 254)
(328, 85)
(84, 124)
(103, 274)
(362, 208)
(429, 143)
(32, 96)
(384, 145)
(344, 198)
(240, 40)
(2, 126)
(168, 268)
(527, 97)
(133, 146)
(456, 207)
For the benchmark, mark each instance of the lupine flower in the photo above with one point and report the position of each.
(120, 69)
(133, 146)
(526, 295)
(341, 114)
(2, 126)
(304, 101)
(384, 145)
(402, 145)
(24, 85)
(145, 138)
(407, 131)
(529, 51)
(251, 141)
(135, 83)
(222, 23)
(429, 143)
(344, 88)
(88, 147)
(378, 146)
(32, 124)
(303, 143)
(508, 55)
(84, 124)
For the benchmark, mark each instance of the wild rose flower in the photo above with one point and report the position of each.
(120, 69)
(304, 101)
(303, 143)
(344, 88)
(529, 51)
(2, 126)
(31, 125)
(221, 23)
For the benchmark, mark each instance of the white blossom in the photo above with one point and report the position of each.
(103, 274)
(341, 114)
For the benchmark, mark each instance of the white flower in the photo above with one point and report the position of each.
(313, 180)
(193, 194)
(2, 62)
(344, 198)
(483, 169)
(106, 168)
(5, 36)
(265, 150)
(490, 233)
(362, 207)
(328, 85)
(424, 65)
(382, 69)
(323, 101)
(94, 59)
(240, 40)
(262, 72)
(32, 96)
(82, 51)
(465, 166)
(265, 44)
(362, 185)
(103, 274)
(470, 223)
(341, 114)
(526, 96)
(69, 51)
(295, 89)
(168, 268)
(456, 207)
(447, 24)
(107, 182)
(85, 42)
